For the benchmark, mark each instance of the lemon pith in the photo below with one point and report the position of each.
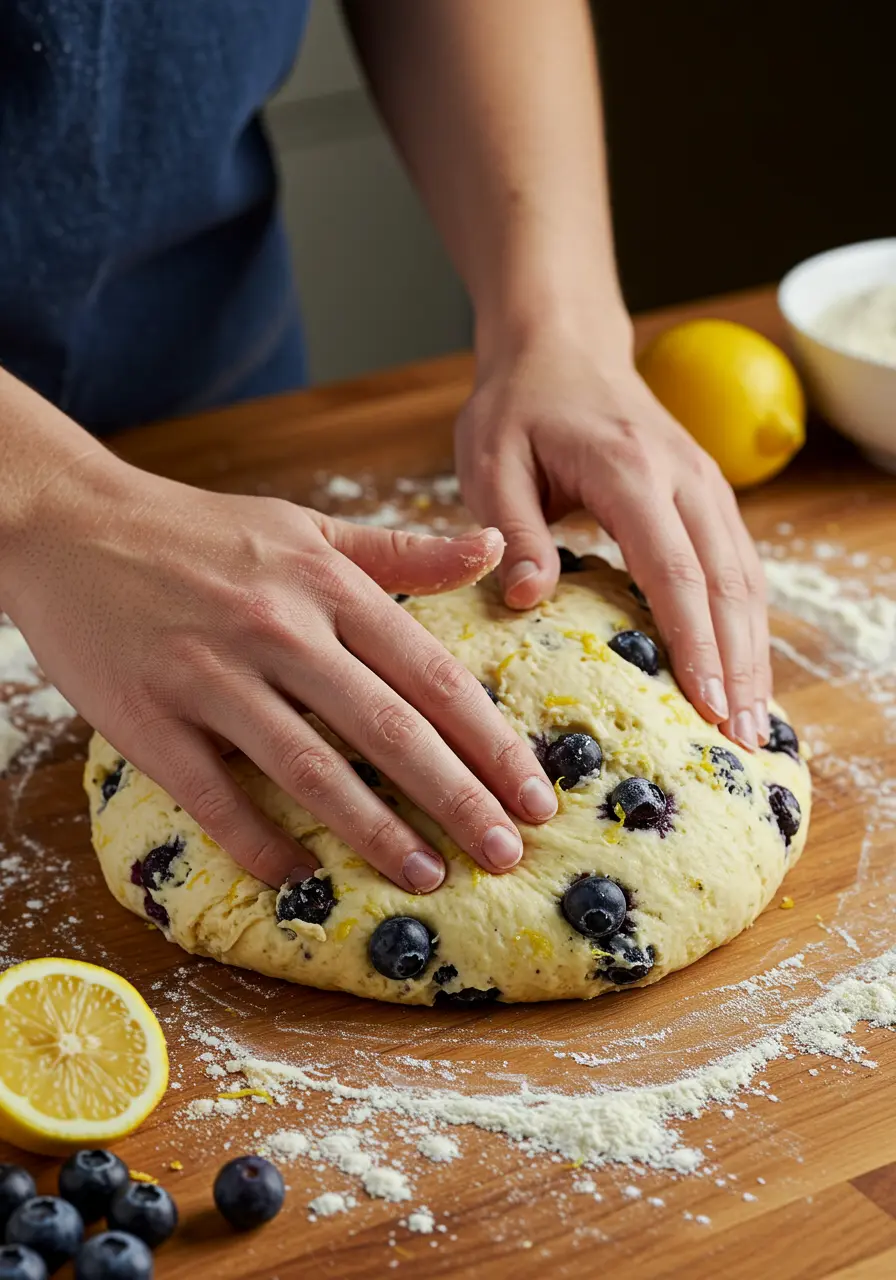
(82, 1057)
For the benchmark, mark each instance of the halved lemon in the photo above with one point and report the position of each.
(83, 1060)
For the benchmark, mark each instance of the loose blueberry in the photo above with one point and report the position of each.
(627, 962)
(444, 974)
(400, 947)
(786, 810)
(16, 1186)
(468, 996)
(112, 782)
(643, 803)
(639, 595)
(594, 906)
(89, 1180)
(572, 757)
(366, 772)
(19, 1263)
(145, 1211)
(156, 866)
(249, 1191)
(114, 1255)
(637, 649)
(50, 1226)
(311, 900)
(569, 561)
(782, 738)
(491, 693)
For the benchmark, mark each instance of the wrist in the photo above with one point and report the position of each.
(545, 317)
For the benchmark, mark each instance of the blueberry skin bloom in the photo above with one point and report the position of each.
(249, 1191)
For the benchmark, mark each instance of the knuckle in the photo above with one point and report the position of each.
(262, 615)
(395, 729)
(510, 754)
(681, 571)
(308, 770)
(727, 583)
(211, 805)
(445, 682)
(739, 675)
(699, 652)
(463, 805)
(381, 839)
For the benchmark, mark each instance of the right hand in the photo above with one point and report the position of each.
(179, 622)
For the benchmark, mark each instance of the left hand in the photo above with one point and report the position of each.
(548, 430)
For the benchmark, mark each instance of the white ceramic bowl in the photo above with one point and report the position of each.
(854, 393)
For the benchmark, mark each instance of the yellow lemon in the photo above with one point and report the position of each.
(734, 391)
(83, 1060)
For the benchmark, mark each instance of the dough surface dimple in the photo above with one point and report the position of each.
(669, 839)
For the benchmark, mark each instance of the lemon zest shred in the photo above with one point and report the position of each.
(612, 836)
(353, 864)
(476, 874)
(175, 1166)
(136, 1176)
(468, 633)
(787, 903)
(505, 663)
(539, 945)
(231, 892)
(261, 1094)
(373, 910)
(195, 879)
(344, 928)
(591, 646)
(555, 700)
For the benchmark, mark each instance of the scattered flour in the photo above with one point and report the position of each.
(438, 1147)
(386, 1184)
(287, 1144)
(421, 1221)
(330, 1202)
(862, 628)
(343, 487)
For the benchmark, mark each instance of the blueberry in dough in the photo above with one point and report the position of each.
(444, 974)
(112, 782)
(311, 900)
(572, 757)
(401, 947)
(786, 810)
(569, 561)
(400, 597)
(731, 770)
(627, 962)
(643, 803)
(155, 869)
(782, 738)
(469, 996)
(366, 772)
(637, 649)
(594, 905)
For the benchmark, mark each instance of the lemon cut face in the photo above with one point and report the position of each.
(83, 1059)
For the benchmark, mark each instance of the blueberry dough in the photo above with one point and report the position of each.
(669, 840)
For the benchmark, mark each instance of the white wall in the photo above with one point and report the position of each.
(376, 286)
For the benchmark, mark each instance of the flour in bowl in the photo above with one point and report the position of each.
(863, 324)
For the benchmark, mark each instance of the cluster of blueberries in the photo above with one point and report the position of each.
(44, 1232)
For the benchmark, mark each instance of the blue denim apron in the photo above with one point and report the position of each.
(144, 269)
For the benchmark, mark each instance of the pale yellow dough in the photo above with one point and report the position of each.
(694, 889)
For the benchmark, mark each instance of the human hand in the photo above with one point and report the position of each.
(547, 431)
(180, 622)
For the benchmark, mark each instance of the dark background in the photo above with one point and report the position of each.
(744, 136)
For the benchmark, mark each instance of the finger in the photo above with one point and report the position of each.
(410, 660)
(390, 733)
(413, 562)
(530, 566)
(661, 558)
(754, 576)
(293, 754)
(184, 762)
(729, 603)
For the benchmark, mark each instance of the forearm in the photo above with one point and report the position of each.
(496, 109)
(39, 447)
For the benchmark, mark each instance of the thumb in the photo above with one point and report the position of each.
(416, 563)
(530, 566)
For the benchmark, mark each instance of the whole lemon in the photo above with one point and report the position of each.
(734, 391)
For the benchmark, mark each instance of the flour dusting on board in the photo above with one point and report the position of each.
(369, 1123)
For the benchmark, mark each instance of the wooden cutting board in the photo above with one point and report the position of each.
(801, 1187)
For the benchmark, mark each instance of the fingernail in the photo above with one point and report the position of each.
(520, 573)
(299, 875)
(502, 847)
(422, 872)
(538, 799)
(763, 724)
(714, 697)
(743, 728)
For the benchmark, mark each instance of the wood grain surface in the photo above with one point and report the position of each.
(804, 1187)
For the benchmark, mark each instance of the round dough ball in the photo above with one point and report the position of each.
(696, 833)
